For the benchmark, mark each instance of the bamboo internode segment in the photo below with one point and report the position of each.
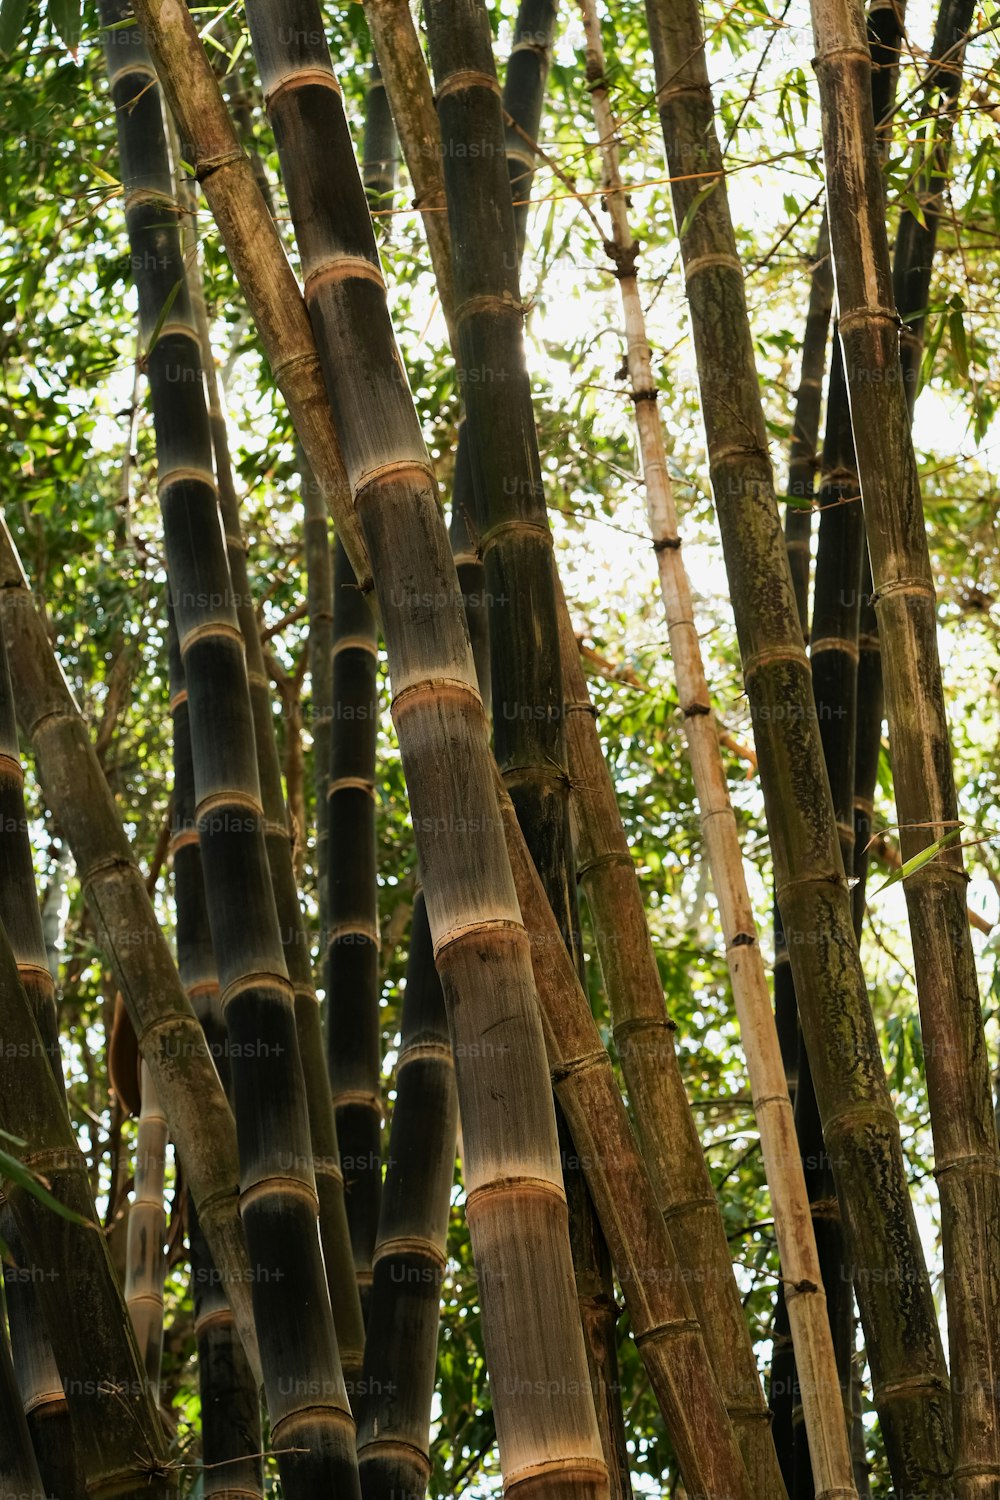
(302, 1372)
(817, 1367)
(447, 767)
(898, 1309)
(168, 1032)
(18, 1464)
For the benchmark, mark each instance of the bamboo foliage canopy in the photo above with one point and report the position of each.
(799, 391)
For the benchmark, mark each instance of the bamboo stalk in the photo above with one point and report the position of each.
(860, 1127)
(664, 1325)
(967, 1156)
(378, 164)
(262, 996)
(230, 1407)
(19, 1475)
(145, 1261)
(168, 1032)
(44, 1400)
(354, 1034)
(334, 1231)
(508, 504)
(400, 1351)
(804, 1293)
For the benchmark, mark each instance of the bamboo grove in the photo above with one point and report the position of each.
(499, 661)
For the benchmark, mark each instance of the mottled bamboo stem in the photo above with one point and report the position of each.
(967, 1155)
(804, 1294)
(859, 1123)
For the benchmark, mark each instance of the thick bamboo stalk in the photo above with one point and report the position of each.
(516, 1204)
(804, 1293)
(398, 1380)
(523, 96)
(462, 534)
(354, 1034)
(42, 1393)
(168, 1032)
(19, 1475)
(230, 1407)
(116, 1429)
(860, 1126)
(662, 1316)
(967, 1155)
(334, 1232)
(311, 1425)
(378, 163)
(508, 502)
(145, 1261)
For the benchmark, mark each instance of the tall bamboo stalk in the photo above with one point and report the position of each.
(42, 1392)
(967, 1156)
(311, 1425)
(334, 1232)
(400, 1350)
(230, 1407)
(860, 1126)
(168, 1032)
(802, 1280)
(354, 1034)
(515, 1198)
(145, 1260)
(515, 543)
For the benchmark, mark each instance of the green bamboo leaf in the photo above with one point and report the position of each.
(693, 207)
(911, 866)
(12, 18)
(168, 303)
(66, 17)
(913, 206)
(21, 1176)
(956, 333)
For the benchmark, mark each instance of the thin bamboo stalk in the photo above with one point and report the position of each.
(334, 1231)
(44, 1399)
(398, 1381)
(230, 1407)
(168, 1032)
(663, 1322)
(967, 1155)
(145, 1261)
(378, 164)
(354, 1034)
(508, 502)
(311, 1425)
(804, 1293)
(859, 1124)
